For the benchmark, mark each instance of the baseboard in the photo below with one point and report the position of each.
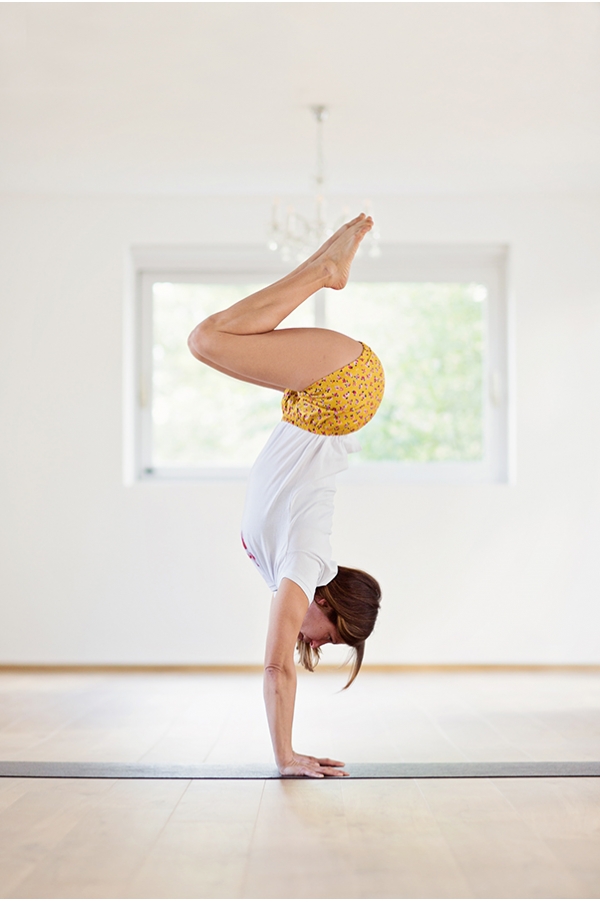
(323, 668)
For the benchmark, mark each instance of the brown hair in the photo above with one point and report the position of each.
(351, 603)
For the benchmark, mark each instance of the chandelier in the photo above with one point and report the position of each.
(295, 236)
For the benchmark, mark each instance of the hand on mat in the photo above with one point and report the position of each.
(307, 766)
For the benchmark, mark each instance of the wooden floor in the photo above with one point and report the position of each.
(475, 838)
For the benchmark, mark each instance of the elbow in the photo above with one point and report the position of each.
(275, 671)
(192, 345)
(201, 340)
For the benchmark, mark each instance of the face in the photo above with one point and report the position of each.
(317, 629)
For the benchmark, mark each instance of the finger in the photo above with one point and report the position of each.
(331, 762)
(330, 772)
(301, 772)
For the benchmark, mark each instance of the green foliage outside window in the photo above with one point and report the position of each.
(429, 337)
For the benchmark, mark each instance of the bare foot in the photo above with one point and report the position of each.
(338, 254)
(327, 244)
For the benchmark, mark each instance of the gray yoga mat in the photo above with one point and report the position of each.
(392, 771)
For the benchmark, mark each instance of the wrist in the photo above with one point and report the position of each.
(284, 760)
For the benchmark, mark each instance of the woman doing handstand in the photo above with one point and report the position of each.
(332, 387)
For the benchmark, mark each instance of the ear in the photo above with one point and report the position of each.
(320, 601)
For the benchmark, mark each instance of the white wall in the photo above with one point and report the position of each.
(95, 571)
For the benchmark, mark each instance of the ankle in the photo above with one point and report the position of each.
(325, 268)
(313, 271)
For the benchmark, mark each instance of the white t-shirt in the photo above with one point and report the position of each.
(289, 506)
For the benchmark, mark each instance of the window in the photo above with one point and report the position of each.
(435, 316)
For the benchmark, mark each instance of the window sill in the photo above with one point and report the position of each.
(384, 473)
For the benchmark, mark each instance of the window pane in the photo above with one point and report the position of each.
(201, 417)
(430, 338)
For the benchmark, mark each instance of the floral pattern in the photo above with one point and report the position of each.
(342, 402)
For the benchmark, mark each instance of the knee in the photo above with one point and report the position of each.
(202, 339)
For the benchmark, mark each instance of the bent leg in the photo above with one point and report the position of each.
(243, 340)
(283, 358)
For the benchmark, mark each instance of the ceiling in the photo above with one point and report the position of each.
(191, 98)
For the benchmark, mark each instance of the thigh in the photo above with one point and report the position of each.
(221, 369)
(283, 358)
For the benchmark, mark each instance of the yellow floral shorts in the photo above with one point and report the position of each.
(340, 403)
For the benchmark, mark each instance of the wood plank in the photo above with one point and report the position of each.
(566, 815)
(398, 849)
(203, 850)
(100, 844)
(496, 850)
(301, 846)
(41, 815)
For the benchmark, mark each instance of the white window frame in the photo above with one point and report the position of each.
(484, 264)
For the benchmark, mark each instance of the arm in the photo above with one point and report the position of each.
(287, 613)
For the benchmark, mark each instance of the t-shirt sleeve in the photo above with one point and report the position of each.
(306, 570)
